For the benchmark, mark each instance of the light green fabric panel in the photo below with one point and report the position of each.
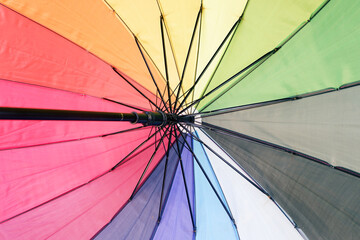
(325, 53)
(264, 25)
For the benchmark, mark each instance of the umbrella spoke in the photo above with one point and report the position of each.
(147, 166)
(185, 184)
(148, 68)
(123, 104)
(65, 193)
(207, 178)
(259, 60)
(165, 62)
(77, 139)
(136, 148)
(188, 92)
(251, 181)
(164, 177)
(272, 145)
(132, 85)
(187, 56)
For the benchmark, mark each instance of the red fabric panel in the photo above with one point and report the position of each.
(31, 176)
(81, 213)
(27, 133)
(31, 53)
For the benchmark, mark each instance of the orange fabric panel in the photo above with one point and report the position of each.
(94, 27)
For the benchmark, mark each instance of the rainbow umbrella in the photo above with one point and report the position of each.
(188, 119)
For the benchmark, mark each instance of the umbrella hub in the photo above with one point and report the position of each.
(160, 118)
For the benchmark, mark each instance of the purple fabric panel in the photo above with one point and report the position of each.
(138, 218)
(176, 220)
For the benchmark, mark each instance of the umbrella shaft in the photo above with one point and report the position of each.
(147, 118)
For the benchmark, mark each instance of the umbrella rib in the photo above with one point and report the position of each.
(77, 139)
(230, 165)
(253, 182)
(228, 132)
(148, 68)
(187, 56)
(136, 148)
(123, 104)
(207, 178)
(165, 62)
(262, 58)
(164, 177)
(142, 94)
(208, 64)
(63, 194)
(281, 44)
(185, 184)
(147, 166)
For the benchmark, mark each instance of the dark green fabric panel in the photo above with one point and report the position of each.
(324, 202)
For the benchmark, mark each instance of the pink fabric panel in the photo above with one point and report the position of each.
(31, 53)
(27, 133)
(81, 213)
(31, 176)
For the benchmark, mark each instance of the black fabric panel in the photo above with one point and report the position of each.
(324, 202)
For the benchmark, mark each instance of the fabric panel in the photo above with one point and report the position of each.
(138, 218)
(325, 126)
(317, 57)
(324, 202)
(264, 25)
(176, 220)
(31, 176)
(32, 54)
(15, 134)
(212, 221)
(80, 213)
(256, 216)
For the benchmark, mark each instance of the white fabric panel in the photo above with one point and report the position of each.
(256, 216)
(325, 126)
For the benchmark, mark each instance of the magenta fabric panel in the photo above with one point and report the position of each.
(31, 176)
(81, 213)
(34, 54)
(14, 134)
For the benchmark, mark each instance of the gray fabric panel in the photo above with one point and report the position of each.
(324, 202)
(325, 126)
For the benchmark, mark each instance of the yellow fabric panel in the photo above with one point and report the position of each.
(218, 17)
(180, 18)
(203, 81)
(190, 71)
(94, 27)
(142, 17)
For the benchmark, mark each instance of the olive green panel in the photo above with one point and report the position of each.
(323, 54)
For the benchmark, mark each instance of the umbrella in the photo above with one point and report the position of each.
(179, 119)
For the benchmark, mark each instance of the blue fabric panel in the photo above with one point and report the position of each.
(212, 220)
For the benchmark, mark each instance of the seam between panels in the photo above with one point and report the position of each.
(278, 147)
(268, 195)
(128, 201)
(168, 37)
(221, 190)
(197, 52)
(196, 26)
(193, 183)
(257, 183)
(276, 49)
(70, 41)
(134, 36)
(239, 20)
(275, 101)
